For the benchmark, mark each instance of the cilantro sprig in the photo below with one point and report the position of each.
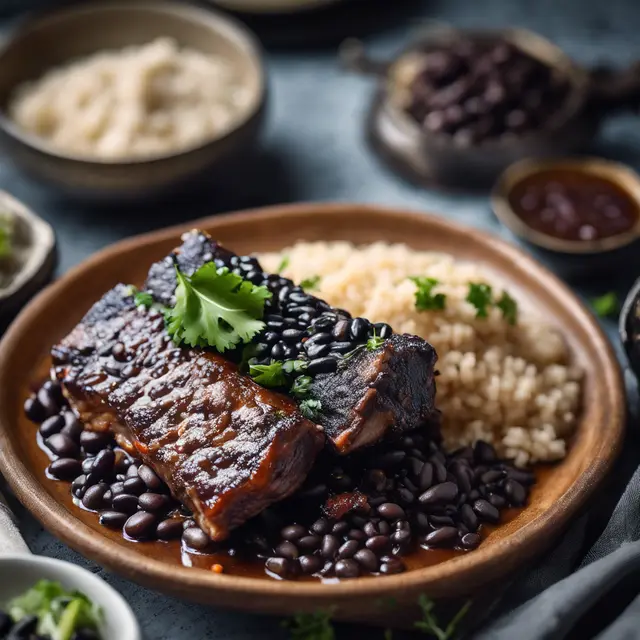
(374, 341)
(480, 295)
(606, 305)
(429, 623)
(311, 283)
(268, 375)
(215, 308)
(284, 263)
(426, 300)
(310, 408)
(311, 626)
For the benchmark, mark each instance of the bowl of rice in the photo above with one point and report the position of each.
(117, 101)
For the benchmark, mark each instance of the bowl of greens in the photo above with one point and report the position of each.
(55, 600)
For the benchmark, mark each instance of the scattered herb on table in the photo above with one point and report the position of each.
(216, 308)
(284, 263)
(60, 613)
(374, 342)
(311, 283)
(429, 623)
(509, 308)
(481, 297)
(311, 626)
(143, 299)
(426, 300)
(606, 305)
(268, 375)
(301, 386)
(310, 408)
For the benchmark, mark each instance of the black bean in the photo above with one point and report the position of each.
(347, 569)
(376, 478)
(439, 494)
(378, 544)
(383, 330)
(132, 472)
(441, 521)
(141, 525)
(310, 564)
(126, 503)
(135, 486)
(484, 453)
(277, 351)
(359, 329)
(318, 338)
(51, 425)
(470, 540)
(342, 347)
(149, 477)
(316, 350)
(188, 523)
(330, 545)
(371, 529)
(392, 566)
(287, 549)
(299, 298)
(103, 463)
(426, 476)
(402, 525)
(280, 566)
(79, 486)
(155, 502)
(525, 478)
(468, 517)
(486, 511)
(34, 410)
(444, 535)
(401, 536)
(348, 549)
(65, 468)
(93, 498)
(391, 511)
(421, 521)
(170, 529)
(341, 330)
(294, 532)
(493, 475)
(292, 335)
(390, 459)
(415, 466)
(113, 519)
(309, 543)
(322, 365)
(94, 441)
(321, 527)
(117, 488)
(48, 402)
(340, 528)
(439, 471)
(73, 429)
(515, 492)
(497, 500)
(62, 445)
(367, 559)
(384, 527)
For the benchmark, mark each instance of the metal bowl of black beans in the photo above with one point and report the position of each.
(456, 107)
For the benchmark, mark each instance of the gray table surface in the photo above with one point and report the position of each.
(313, 149)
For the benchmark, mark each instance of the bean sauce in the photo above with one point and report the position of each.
(573, 205)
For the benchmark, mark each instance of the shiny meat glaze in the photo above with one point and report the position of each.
(226, 447)
(391, 388)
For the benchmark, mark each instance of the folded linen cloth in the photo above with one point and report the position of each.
(10, 539)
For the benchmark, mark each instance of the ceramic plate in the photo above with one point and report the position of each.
(562, 489)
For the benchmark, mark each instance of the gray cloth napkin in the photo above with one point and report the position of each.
(10, 539)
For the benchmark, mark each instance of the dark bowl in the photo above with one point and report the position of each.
(56, 37)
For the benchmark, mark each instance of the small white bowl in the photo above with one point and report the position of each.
(21, 572)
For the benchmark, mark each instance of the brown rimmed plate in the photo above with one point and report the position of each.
(562, 490)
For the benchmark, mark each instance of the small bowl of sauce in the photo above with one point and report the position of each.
(574, 208)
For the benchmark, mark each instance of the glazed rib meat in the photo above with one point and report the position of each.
(225, 446)
(389, 387)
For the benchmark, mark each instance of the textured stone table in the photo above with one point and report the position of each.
(313, 149)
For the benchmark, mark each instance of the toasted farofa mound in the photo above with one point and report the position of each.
(509, 385)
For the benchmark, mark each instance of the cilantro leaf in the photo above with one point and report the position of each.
(509, 308)
(480, 296)
(6, 236)
(301, 386)
(374, 342)
(143, 299)
(268, 375)
(310, 408)
(425, 300)
(294, 366)
(606, 305)
(284, 263)
(311, 626)
(215, 308)
(311, 283)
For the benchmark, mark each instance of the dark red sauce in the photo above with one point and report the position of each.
(574, 205)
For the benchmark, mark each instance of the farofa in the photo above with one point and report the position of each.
(509, 385)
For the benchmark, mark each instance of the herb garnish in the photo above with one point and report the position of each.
(509, 308)
(301, 386)
(215, 308)
(425, 300)
(284, 263)
(311, 283)
(6, 236)
(143, 299)
(310, 408)
(481, 297)
(374, 342)
(60, 613)
(311, 626)
(294, 366)
(268, 375)
(429, 623)
(606, 305)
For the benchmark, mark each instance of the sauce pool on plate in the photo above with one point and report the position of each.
(570, 204)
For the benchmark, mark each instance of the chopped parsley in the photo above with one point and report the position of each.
(374, 342)
(481, 297)
(425, 299)
(143, 299)
(294, 366)
(429, 623)
(284, 263)
(310, 408)
(311, 626)
(509, 308)
(311, 283)
(606, 305)
(268, 375)
(301, 386)
(215, 308)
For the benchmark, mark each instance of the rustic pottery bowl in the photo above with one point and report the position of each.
(572, 257)
(434, 158)
(562, 489)
(56, 37)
